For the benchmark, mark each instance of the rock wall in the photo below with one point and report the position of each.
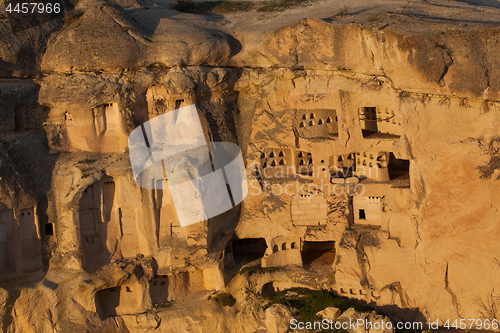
(371, 155)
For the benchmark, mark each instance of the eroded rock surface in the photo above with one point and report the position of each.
(371, 149)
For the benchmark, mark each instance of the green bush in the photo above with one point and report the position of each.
(225, 299)
(259, 270)
(309, 302)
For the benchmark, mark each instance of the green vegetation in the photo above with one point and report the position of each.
(259, 270)
(225, 7)
(309, 302)
(224, 299)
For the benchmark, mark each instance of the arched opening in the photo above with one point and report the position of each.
(304, 116)
(302, 124)
(275, 248)
(268, 289)
(273, 163)
(283, 246)
(282, 162)
(318, 254)
(281, 154)
(272, 154)
(320, 122)
(301, 162)
(262, 155)
(328, 120)
(301, 154)
(293, 246)
(312, 115)
(158, 289)
(178, 103)
(311, 123)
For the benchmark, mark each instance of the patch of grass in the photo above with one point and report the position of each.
(259, 270)
(224, 299)
(309, 302)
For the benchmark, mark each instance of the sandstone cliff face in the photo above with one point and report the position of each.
(372, 159)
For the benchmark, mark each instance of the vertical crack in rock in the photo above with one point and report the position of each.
(363, 261)
(450, 291)
(448, 61)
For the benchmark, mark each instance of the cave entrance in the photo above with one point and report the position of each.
(248, 249)
(107, 301)
(268, 288)
(318, 254)
(240, 252)
(399, 169)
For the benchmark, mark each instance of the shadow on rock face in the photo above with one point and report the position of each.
(489, 3)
